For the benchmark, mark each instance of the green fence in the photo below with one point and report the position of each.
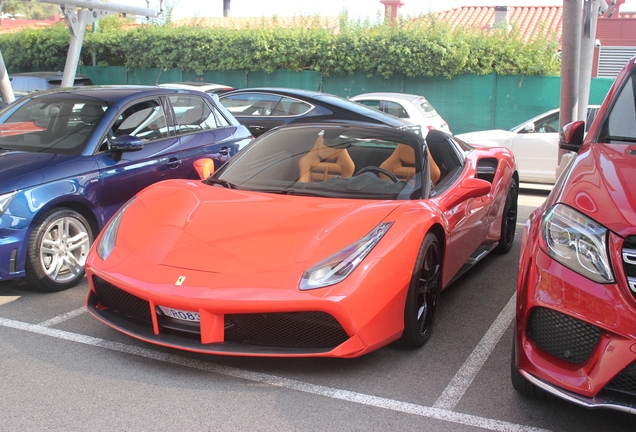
(467, 102)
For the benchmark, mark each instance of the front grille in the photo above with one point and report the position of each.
(285, 330)
(120, 301)
(561, 335)
(294, 330)
(629, 262)
(624, 382)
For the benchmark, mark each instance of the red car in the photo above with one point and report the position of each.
(576, 297)
(315, 240)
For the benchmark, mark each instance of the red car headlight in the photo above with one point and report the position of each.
(338, 266)
(577, 242)
(108, 239)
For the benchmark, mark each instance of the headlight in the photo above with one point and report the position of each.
(577, 242)
(108, 239)
(338, 266)
(5, 201)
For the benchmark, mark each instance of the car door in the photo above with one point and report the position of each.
(252, 109)
(204, 131)
(123, 174)
(536, 151)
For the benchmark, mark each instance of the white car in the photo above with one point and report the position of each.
(416, 109)
(201, 86)
(535, 144)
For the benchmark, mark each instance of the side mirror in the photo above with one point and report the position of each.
(470, 188)
(529, 127)
(125, 143)
(204, 167)
(572, 136)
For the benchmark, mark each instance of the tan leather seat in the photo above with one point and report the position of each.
(402, 164)
(323, 163)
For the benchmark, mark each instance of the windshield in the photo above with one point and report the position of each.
(330, 161)
(50, 124)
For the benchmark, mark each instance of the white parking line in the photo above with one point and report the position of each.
(464, 377)
(360, 398)
(62, 318)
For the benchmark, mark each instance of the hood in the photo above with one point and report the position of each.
(600, 184)
(20, 170)
(494, 136)
(212, 229)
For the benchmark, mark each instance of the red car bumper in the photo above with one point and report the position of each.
(575, 338)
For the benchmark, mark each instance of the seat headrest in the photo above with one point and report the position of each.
(91, 113)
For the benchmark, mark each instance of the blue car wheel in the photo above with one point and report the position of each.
(57, 250)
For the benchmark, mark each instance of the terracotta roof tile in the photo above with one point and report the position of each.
(532, 21)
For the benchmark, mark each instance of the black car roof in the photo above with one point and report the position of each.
(320, 98)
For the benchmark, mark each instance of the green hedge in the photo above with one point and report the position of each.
(418, 47)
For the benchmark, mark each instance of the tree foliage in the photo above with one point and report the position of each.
(417, 47)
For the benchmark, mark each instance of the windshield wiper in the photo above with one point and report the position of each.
(224, 183)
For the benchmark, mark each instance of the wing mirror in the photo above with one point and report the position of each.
(529, 127)
(125, 143)
(470, 188)
(572, 135)
(204, 167)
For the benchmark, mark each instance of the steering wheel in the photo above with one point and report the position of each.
(379, 170)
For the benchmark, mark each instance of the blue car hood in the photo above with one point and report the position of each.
(21, 170)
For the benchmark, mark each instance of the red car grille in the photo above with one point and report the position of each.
(295, 330)
(624, 382)
(118, 300)
(629, 262)
(285, 329)
(561, 335)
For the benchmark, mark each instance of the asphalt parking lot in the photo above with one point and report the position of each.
(60, 369)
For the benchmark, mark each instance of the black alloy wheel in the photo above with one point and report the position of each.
(423, 294)
(509, 219)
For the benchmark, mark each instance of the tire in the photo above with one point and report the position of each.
(57, 250)
(509, 219)
(423, 294)
(522, 385)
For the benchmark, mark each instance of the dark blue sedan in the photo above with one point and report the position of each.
(69, 159)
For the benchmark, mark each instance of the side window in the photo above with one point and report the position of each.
(393, 108)
(194, 114)
(621, 122)
(290, 107)
(371, 103)
(549, 124)
(251, 104)
(145, 120)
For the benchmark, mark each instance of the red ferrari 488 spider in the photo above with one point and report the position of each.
(315, 240)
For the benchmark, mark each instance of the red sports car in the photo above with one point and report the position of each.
(576, 298)
(315, 240)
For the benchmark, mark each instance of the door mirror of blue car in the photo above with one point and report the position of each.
(126, 143)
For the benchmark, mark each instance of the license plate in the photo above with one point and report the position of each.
(181, 314)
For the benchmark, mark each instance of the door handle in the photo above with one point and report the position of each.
(174, 163)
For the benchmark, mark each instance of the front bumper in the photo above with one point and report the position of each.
(613, 400)
(576, 338)
(242, 320)
(11, 253)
